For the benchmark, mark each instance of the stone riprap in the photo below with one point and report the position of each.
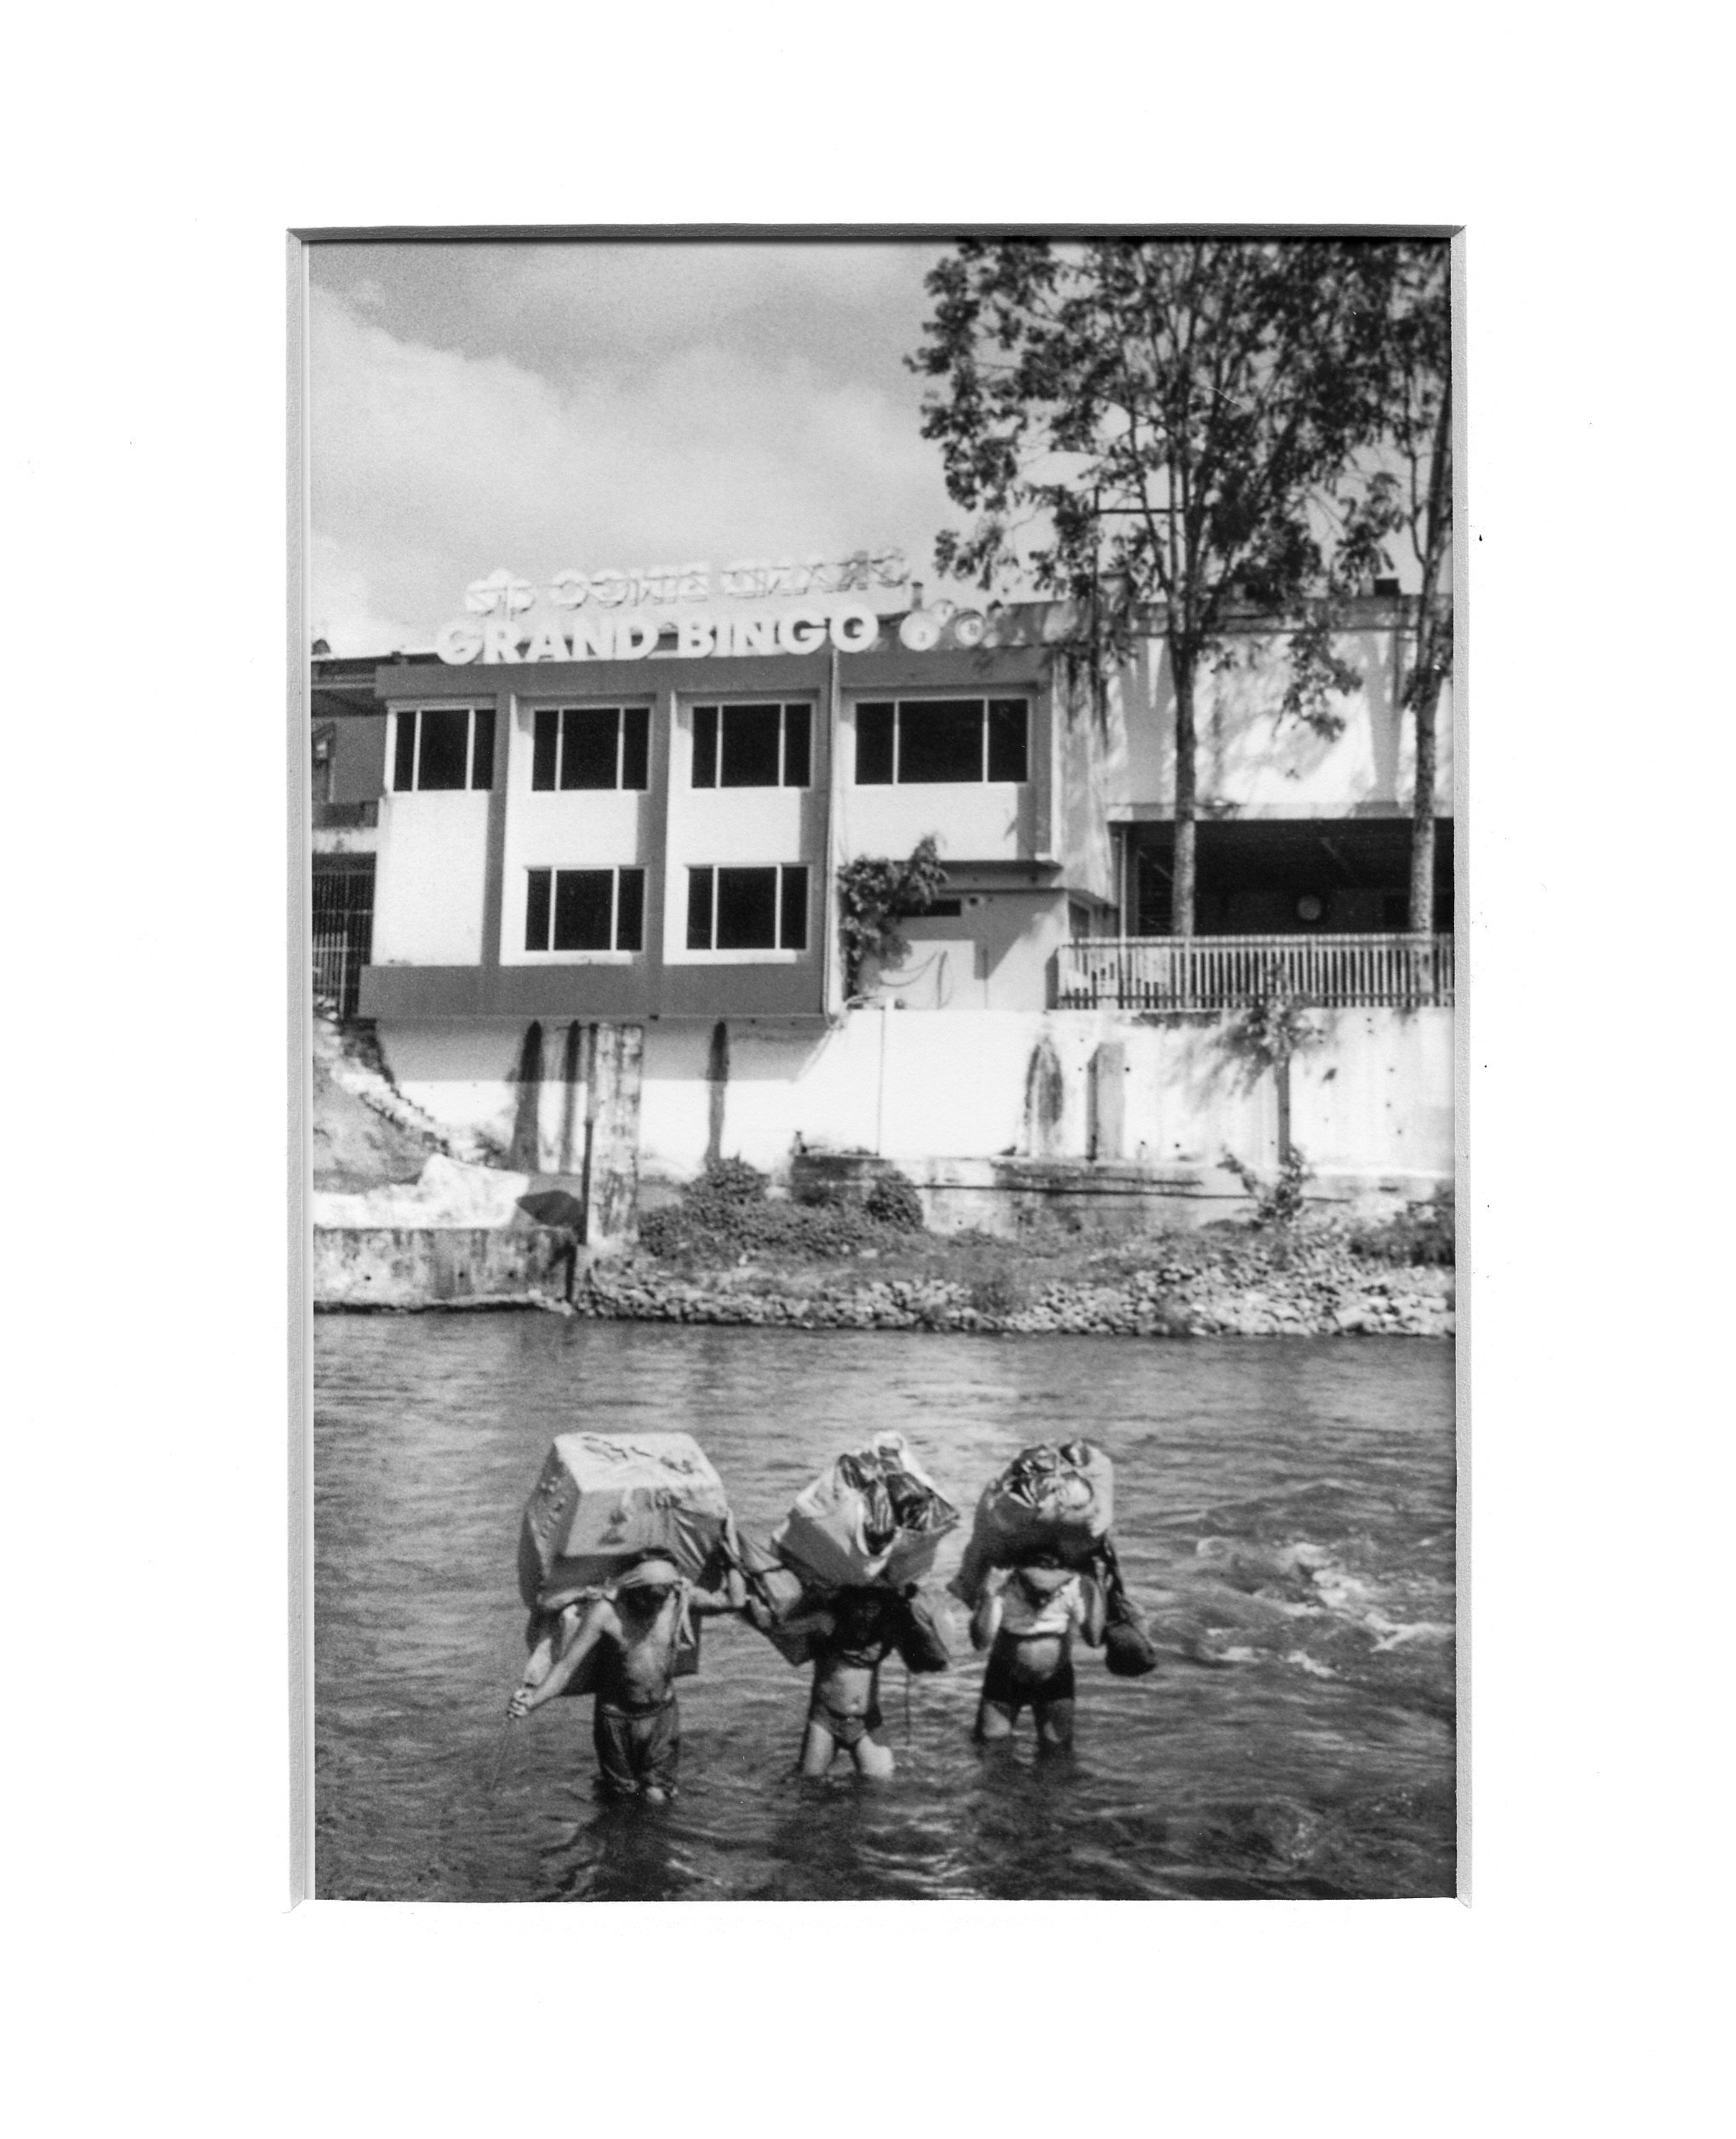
(1324, 1292)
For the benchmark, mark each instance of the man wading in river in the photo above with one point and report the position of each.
(636, 1631)
(1030, 1614)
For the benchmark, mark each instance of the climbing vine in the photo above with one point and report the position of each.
(874, 893)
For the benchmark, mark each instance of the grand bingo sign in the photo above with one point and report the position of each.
(621, 616)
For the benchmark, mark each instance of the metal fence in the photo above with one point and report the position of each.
(1229, 972)
(343, 932)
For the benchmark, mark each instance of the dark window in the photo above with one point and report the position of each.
(792, 910)
(748, 909)
(590, 748)
(705, 746)
(482, 748)
(699, 909)
(939, 910)
(798, 723)
(444, 747)
(873, 746)
(752, 746)
(1007, 753)
(635, 747)
(630, 909)
(940, 743)
(584, 901)
(584, 909)
(547, 749)
(443, 761)
(750, 752)
(537, 909)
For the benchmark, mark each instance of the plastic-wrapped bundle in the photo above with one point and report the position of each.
(872, 1517)
(602, 1498)
(1057, 1497)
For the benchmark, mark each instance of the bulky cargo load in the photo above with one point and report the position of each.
(1057, 1497)
(603, 1498)
(872, 1517)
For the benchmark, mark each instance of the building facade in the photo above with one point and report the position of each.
(585, 886)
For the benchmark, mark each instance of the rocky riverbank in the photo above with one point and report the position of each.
(1305, 1287)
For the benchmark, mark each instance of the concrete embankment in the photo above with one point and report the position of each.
(357, 1269)
(1327, 1296)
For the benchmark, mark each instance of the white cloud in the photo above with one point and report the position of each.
(431, 467)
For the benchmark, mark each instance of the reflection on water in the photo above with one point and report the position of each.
(1285, 1510)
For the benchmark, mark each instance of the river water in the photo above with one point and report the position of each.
(1285, 1511)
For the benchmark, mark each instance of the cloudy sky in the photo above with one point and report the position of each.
(547, 406)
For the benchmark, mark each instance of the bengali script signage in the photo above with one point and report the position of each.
(622, 615)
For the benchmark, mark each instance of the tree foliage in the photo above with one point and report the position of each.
(1175, 421)
(874, 893)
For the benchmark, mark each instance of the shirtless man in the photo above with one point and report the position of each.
(853, 1632)
(1027, 1618)
(637, 1725)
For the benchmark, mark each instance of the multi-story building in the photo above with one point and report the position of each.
(616, 847)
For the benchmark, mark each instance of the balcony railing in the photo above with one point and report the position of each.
(1229, 972)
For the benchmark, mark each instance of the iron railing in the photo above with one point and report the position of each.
(1230, 973)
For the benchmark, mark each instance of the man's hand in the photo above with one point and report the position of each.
(519, 1705)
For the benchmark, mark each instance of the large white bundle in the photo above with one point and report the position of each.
(872, 1516)
(602, 1498)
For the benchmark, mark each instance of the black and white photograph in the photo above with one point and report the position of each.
(881, 825)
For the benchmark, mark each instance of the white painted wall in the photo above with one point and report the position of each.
(1374, 1099)
(1251, 755)
(428, 893)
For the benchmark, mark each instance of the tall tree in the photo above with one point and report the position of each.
(1172, 421)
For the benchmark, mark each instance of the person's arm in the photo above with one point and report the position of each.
(1090, 1612)
(599, 1620)
(731, 1598)
(985, 1620)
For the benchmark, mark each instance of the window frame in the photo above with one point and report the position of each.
(986, 701)
(615, 954)
(557, 708)
(471, 708)
(722, 708)
(778, 952)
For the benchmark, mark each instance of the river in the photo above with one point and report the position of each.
(1285, 1511)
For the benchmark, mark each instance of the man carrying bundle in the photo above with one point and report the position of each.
(636, 1631)
(1027, 1617)
(862, 1536)
(849, 1638)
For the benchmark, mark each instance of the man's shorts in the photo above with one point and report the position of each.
(1007, 1685)
(847, 1731)
(636, 1751)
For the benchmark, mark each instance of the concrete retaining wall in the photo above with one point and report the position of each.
(1371, 1104)
(373, 1266)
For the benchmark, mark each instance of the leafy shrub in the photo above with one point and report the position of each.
(997, 1294)
(727, 1181)
(1422, 1233)
(893, 1201)
(1277, 1202)
(726, 1214)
